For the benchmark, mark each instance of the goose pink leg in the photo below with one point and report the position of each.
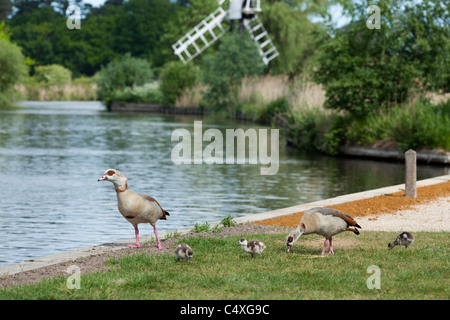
(158, 244)
(136, 232)
(331, 248)
(325, 243)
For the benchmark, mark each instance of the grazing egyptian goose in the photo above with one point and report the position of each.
(324, 221)
(183, 251)
(135, 208)
(253, 247)
(404, 239)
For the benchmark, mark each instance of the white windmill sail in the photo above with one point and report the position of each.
(267, 49)
(201, 36)
(211, 29)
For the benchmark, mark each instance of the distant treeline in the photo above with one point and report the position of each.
(145, 29)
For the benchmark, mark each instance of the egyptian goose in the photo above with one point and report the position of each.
(135, 208)
(324, 221)
(183, 251)
(253, 247)
(404, 239)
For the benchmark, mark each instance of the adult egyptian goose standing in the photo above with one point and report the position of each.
(324, 221)
(404, 239)
(135, 208)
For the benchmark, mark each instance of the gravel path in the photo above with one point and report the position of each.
(433, 216)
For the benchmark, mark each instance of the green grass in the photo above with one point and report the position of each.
(221, 270)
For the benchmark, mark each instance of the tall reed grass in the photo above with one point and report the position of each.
(259, 92)
(413, 125)
(191, 97)
(79, 90)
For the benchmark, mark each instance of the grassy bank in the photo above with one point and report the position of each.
(221, 270)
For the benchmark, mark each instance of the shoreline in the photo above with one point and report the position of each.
(254, 219)
(390, 154)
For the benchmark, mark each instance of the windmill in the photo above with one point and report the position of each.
(212, 28)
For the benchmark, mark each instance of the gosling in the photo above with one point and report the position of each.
(404, 239)
(253, 247)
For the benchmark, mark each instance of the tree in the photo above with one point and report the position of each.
(237, 56)
(364, 69)
(177, 77)
(5, 9)
(140, 28)
(294, 35)
(53, 74)
(12, 66)
(39, 27)
(126, 71)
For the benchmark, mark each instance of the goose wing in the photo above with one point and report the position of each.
(148, 198)
(336, 213)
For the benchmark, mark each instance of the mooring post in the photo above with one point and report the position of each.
(410, 174)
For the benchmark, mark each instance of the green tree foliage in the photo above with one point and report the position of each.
(364, 69)
(5, 9)
(126, 71)
(237, 56)
(12, 67)
(183, 20)
(44, 36)
(140, 27)
(4, 32)
(137, 26)
(177, 77)
(53, 75)
(294, 35)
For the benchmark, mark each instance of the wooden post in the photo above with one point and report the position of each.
(410, 174)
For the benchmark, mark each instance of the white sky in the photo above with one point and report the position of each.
(95, 3)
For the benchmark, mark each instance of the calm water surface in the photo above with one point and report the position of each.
(52, 153)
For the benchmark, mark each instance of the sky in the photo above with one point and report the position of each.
(95, 3)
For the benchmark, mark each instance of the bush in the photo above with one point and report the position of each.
(307, 129)
(126, 71)
(12, 65)
(420, 125)
(275, 108)
(415, 126)
(237, 57)
(176, 77)
(53, 74)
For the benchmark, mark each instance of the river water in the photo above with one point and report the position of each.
(52, 153)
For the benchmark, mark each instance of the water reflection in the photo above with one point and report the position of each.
(51, 155)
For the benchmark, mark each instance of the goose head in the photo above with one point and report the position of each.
(293, 236)
(116, 178)
(242, 242)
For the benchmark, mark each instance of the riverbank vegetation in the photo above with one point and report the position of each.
(330, 85)
(221, 270)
